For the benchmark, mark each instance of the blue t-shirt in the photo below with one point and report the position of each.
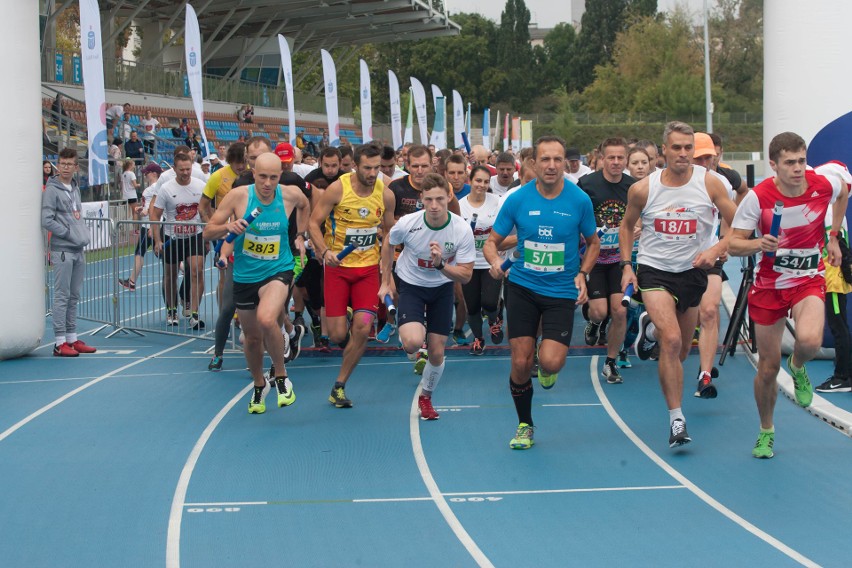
(549, 233)
(465, 190)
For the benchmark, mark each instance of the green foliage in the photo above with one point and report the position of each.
(736, 54)
(559, 45)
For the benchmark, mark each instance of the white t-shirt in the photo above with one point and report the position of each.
(180, 203)
(114, 112)
(128, 191)
(145, 202)
(149, 128)
(485, 216)
(508, 253)
(414, 264)
(303, 169)
(169, 175)
(496, 188)
(584, 169)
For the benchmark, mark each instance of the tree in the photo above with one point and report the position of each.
(736, 54)
(559, 45)
(515, 55)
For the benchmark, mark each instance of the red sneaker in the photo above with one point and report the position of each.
(65, 350)
(427, 412)
(81, 347)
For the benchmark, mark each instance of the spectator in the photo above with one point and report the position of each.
(126, 129)
(215, 163)
(59, 113)
(152, 173)
(114, 114)
(149, 132)
(134, 148)
(61, 215)
(129, 185)
(205, 166)
(46, 173)
(192, 141)
(248, 116)
(324, 143)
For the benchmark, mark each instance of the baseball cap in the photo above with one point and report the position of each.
(285, 152)
(572, 154)
(205, 161)
(212, 157)
(704, 145)
(152, 167)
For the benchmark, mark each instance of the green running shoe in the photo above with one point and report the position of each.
(523, 439)
(286, 395)
(763, 447)
(804, 389)
(547, 381)
(257, 403)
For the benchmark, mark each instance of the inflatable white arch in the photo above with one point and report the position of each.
(807, 83)
(21, 254)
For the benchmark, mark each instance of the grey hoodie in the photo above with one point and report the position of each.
(58, 205)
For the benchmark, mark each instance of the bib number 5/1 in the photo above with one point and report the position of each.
(544, 257)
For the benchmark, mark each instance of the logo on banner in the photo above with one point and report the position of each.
(329, 88)
(191, 57)
(365, 94)
(91, 39)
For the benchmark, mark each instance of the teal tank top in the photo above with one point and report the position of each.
(263, 250)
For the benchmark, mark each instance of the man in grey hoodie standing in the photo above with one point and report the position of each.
(61, 215)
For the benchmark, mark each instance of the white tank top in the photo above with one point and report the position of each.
(677, 223)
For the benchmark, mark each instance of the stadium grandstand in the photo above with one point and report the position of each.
(241, 65)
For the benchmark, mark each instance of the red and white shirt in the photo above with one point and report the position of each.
(802, 235)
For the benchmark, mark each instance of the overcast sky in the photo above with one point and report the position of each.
(547, 13)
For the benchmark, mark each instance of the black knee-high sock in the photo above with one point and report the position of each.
(522, 395)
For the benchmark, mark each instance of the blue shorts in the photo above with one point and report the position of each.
(433, 307)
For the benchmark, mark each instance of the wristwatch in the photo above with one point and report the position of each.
(584, 273)
(833, 234)
(623, 263)
(305, 235)
(439, 266)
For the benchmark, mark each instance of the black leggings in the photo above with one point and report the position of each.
(481, 294)
(837, 323)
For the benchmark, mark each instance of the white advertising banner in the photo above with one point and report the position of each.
(458, 120)
(192, 45)
(366, 104)
(99, 230)
(439, 132)
(395, 109)
(93, 84)
(287, 67)
(419, 94)
(329, 74)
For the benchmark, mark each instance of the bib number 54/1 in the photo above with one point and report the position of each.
(797, 262)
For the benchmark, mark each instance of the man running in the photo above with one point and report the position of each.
(790, 272)
(263, 269)
(352, 210)
(438, 251)
(676, 206)
(547, 281)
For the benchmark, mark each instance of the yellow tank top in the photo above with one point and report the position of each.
(356, 220)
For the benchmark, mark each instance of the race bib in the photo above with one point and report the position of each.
(797, 262)
(676, 225)
(363, 239)
(609, 239)
(185, 230)
(544, 257)
(262, 248)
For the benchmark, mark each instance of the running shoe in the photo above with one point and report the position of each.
(546, 381)
(804, 390)
(427, 412)
(215, 363)
(323, 344)
(171, 318)
(286, 338)
(299, 320)
(611, 374)
(296, 343)
(695, 335)
(678, 435)
(385, 333)
(478, 347)
(65, 350)
(602, 334)
(623, 360)
(592, 333)
(257, 403)
(643, 346)
(338, 398)
(705, 388)
(195, 322)
(420, 363)
(286, 395)
(497, 331)
(128, 284)
(835, 384)
(316, 332)
(81, 347)
(763, 447)
(523, 439)
(459, 338)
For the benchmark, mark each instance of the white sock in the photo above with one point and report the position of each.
(60, 339)
(431, 376)
(71, 338)
(674, 414)
(649, 332)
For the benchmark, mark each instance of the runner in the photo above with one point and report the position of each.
(263, 269)
(547, 282)
(676, 206)
(789, 276)
(352, 210)
(438, 250)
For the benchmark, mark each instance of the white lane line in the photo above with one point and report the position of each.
(179, 499)
(227, 504)
(420, 458)
(697, 491)
(14, 428)
(575, 404)
(556, 491)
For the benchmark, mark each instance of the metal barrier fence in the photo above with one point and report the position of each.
(111, 258)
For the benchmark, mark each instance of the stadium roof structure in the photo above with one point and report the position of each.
(311, 24)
